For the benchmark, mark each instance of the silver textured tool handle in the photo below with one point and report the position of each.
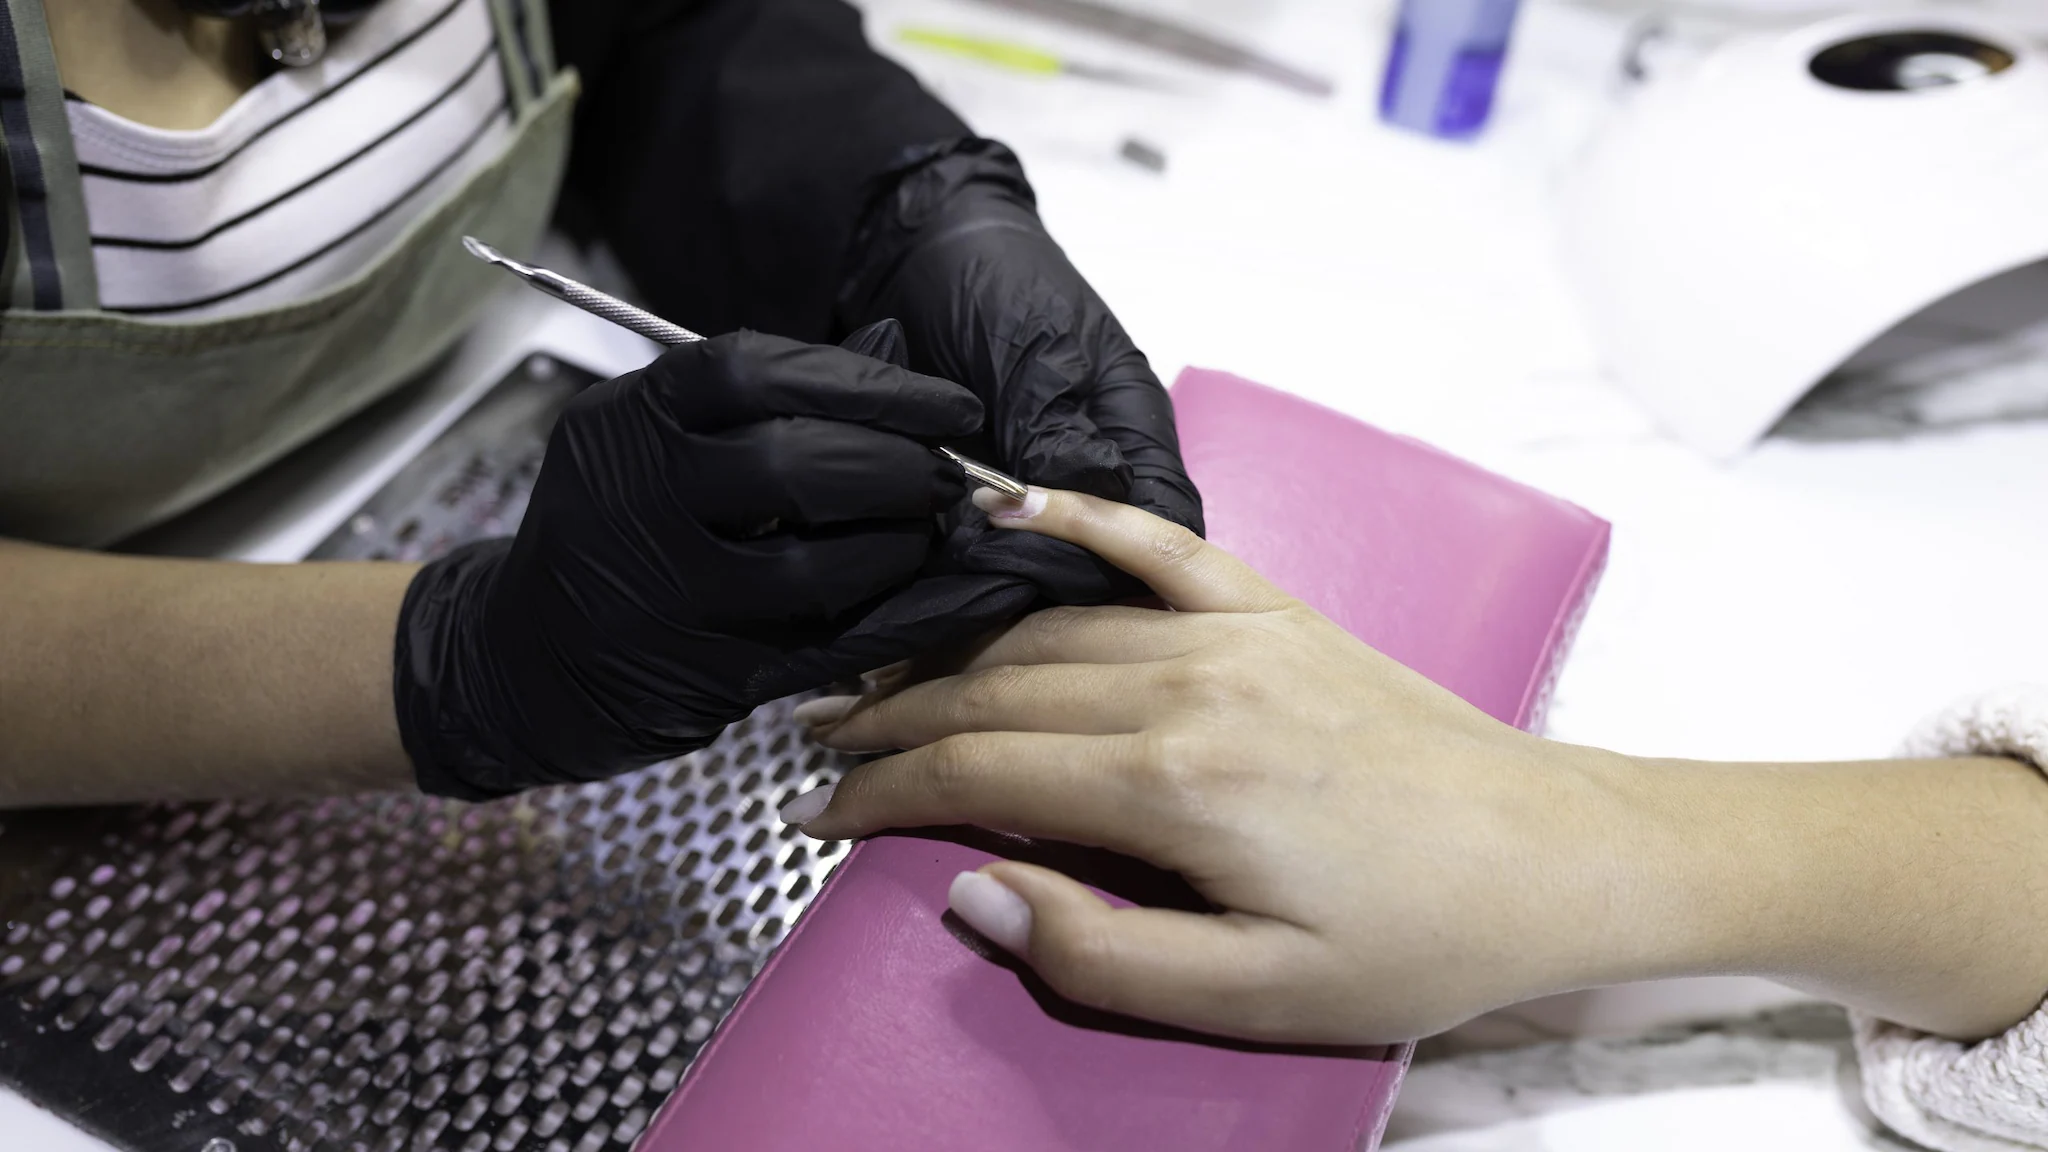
(614, 309)
(600, 304)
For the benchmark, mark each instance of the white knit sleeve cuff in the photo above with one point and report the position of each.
(1991, 1096)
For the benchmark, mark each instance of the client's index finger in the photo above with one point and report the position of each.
(1187, 571)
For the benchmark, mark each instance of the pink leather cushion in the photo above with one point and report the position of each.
(881, 1025)
(1472, 580)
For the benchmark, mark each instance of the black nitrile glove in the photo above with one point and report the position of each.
(955, 250)
(735, 522)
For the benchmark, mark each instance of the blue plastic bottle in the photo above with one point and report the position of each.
(1445, 64)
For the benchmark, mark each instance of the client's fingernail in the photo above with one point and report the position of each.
(823, 710)
(885, 672)
(992, 910)
(1001, 507)
(805, 808)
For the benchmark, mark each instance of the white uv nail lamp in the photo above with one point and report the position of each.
(1748, 224)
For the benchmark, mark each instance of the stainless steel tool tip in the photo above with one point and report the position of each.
(986, 476)
(482, 251)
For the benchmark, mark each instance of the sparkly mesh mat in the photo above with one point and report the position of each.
(397, 972)
(394, 972)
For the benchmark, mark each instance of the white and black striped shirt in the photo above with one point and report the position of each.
(306, 178)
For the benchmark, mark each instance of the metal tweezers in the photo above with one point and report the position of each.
(662, 332)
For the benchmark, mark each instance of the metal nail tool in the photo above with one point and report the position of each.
(662, 332)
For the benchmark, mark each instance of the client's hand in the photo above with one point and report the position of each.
(1386, 859)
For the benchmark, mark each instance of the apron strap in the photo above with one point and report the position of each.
(526, 49)
(49, 244)
(540, 42)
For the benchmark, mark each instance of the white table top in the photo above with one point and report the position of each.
(1807, 601)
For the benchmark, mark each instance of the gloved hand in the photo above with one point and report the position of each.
(735, 522)
(955, 250)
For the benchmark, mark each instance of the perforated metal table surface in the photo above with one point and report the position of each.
(397, 972)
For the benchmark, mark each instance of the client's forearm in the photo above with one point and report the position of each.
(1917, 890)
(125, 678)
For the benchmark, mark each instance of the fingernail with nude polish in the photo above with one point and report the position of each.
(805, 808)
(885, 673)
(1001, 507)
(992, 910)
(824, 710)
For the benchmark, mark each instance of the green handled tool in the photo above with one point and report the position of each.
(1020, 57)
(1172, 38)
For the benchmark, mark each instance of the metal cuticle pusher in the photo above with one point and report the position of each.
(661, 331)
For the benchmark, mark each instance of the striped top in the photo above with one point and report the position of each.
(306, 178)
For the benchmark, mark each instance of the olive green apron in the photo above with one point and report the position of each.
(110, 423)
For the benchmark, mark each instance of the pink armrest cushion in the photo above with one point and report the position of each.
(880, 1025)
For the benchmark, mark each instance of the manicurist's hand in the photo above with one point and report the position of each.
(1385, 856)
(956, 251)
(737, 521)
